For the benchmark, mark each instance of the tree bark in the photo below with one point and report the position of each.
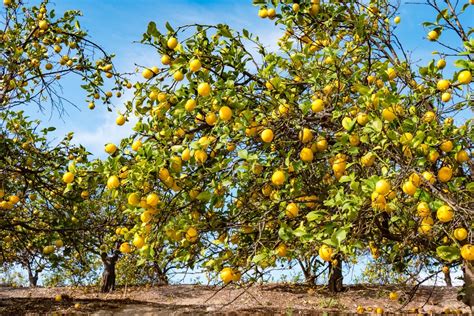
(108, 276)
(335, 276)
(32, 277)
(468, 287)
(447, 279)
(309, 277)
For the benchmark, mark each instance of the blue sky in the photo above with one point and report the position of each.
(115, 24)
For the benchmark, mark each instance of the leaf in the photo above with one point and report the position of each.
(243, 154)
(339, 235)
(283, 233)
(169, 28)
(152, 30)
(448, 253)
(258, 258)
(204, 196)
(314, 216)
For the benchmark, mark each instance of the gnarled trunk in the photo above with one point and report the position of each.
(335, 276)
(447, 279)
(468, 287)
(308, 267)
(32, 277)
(108, 276)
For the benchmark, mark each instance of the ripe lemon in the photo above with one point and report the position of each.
(467, 252)
(281, 250)
(393, 296)
(192, 235)
(147, 73)
(136, 145)
(165, 60)
(58, 298)
(306, 155)
(204, 89)
(443, 85)
(152, 199)
(397, 19)
(429, 117)
(433, 156)
(190, 105)
(172, 43)
(368, 159)
(445, 174)
(267, 135)
(195, 65)
(225, 113)
(382, 187)
(460, 233)
(391, 73)
(306, 135)
(59, 243)
(110, 149)
(445, 97)
(462, 156)
(113, 182)
(441, 63)
(120, 120)
(186, 154)
(325, 252)
(133, 199)
(362, 119)
(465, 77)
(200, 156)
(125, 248)
(409, 188)
(43, 25)
(428, 176)
(68, 177)
(146, 216)
(317, 105)
(178, 75)
(446, 146)
(292, 210)
(211, 118)
(263, 13)
(388, 114)
(339, 165)
(321, 144)
(423, 209)
(278, 178)
(271, 13)
(444, 214)
(138, 241)
(433, 36)
(226, 275)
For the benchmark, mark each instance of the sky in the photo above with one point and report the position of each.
(116, 24)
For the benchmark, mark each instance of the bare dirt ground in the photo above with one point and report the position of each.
(272, 299)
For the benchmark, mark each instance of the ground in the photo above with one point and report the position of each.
(275, 299)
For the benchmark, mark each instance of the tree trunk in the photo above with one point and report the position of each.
(335, 276)
(108, 276)
(447, 279)
(468, 287)
(309, 277)
(33, 278)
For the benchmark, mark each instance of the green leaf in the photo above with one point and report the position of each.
(448, 253)
(204, 196)
(314, 216)
(258, 258)
(339, 235)
(152, 30)
(243, 154)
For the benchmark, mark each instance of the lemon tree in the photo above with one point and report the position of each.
(39, 48)
(332, 141)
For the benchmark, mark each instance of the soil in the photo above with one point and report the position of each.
(271, 299)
